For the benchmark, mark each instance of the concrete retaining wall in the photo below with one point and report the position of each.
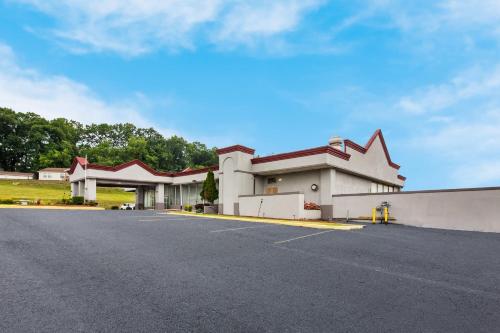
(282, 205)
(476, 209)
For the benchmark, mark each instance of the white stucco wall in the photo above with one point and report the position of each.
(373, 164)
(297, 182)
(45, 175)
(193, 178)
(131, 173)
(229, 195)
(286, 206)
(468, 209)
(347, 183)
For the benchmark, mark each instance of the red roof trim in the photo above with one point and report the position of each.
(77, 160)
(302, 153)
(231, 149)
(195, 171)
(363, 150)
(82, 161)
(403, 178)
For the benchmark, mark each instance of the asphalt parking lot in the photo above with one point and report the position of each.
(132, 271)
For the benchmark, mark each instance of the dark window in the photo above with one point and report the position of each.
(271, 180)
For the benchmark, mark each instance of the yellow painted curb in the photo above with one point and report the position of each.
(304, 224)
(51, 207)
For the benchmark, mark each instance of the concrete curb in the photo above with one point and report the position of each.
(50, 207)
(304, 224)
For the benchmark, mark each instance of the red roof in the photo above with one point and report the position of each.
(301, 153)
(82, 161)
(363, 150)
(230, 149)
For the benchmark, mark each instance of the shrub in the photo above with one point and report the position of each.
(77, 200)
(209, 191)
(188, 208)
(7, 202)
(311, 206)
(114, 207)
(92, 203)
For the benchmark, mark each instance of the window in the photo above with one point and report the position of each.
(271, 180)
(380, 188)
(271, 190)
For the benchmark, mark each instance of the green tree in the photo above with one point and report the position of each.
(198, 155)
(209, 190)
(29, 142)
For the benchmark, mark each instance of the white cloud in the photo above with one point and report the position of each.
(430, 25)
(51, 96)
(466, 86)
(247, 21)
(485, 173)
(466, 137)
(484, 12)
(133, 27)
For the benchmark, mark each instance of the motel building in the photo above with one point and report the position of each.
(275, 186)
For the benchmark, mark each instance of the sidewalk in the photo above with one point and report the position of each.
(294, 223)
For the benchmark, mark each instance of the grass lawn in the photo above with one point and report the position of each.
(50, 192)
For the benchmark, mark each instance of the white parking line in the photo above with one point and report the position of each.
(234, 229)
(152, 218)
(310, 235)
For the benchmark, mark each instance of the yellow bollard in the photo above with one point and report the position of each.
(386, 215)
(374, 215)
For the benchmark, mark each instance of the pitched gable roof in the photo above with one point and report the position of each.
(363, 150)
(83, 162)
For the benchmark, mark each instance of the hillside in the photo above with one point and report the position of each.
(50, 192)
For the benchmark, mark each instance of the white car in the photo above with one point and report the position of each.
(127, 206)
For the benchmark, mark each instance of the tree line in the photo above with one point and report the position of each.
(29, 142)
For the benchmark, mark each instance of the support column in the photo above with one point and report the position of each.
(91, 190)
(180, 190)
(160, 197)
(139, 198)
(74, 189)
(327, 189)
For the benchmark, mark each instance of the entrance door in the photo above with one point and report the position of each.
(149, 199)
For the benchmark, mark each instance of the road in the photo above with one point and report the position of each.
(136, 271)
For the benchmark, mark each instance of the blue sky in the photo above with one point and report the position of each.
(273, 75)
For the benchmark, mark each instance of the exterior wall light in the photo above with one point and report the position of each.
(314, 187)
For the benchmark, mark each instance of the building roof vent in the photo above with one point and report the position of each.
(336, 142)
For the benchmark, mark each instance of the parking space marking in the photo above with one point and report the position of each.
(310, 235)
(242, 228)
(398, 275)
(154, 218)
